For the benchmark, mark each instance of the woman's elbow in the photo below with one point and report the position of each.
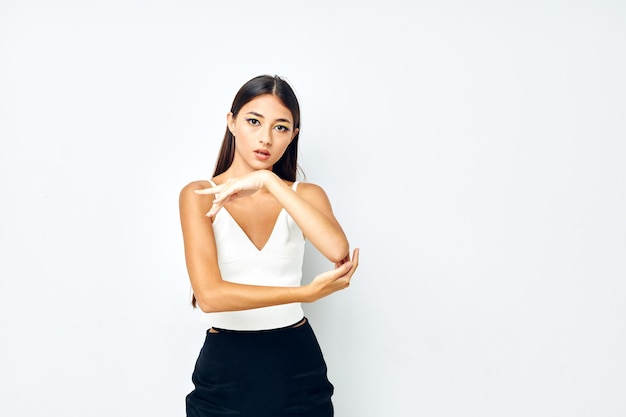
(339, 252)
(207, 304)
(204, 307)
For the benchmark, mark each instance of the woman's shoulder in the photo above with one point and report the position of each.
(188, 192)
(310, 190)
(305, 186)
(196, 185)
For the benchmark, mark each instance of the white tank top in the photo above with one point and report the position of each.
(278, 263)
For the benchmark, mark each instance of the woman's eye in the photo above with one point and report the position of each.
(253, 122)
(281, 128)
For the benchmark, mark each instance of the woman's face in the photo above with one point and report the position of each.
(263, 129)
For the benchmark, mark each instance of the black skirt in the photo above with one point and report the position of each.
(266, 373)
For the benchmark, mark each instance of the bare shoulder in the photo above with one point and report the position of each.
(188, 197)
(312, 192)
(195, 185)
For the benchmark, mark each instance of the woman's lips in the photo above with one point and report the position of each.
(262, 154)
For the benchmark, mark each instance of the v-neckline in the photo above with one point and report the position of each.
(243, 232)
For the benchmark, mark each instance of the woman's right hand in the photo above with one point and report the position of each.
(334, 280)
(235, 188)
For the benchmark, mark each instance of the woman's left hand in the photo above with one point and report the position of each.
(235, 188)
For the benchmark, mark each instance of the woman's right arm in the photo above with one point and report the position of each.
(212, 292)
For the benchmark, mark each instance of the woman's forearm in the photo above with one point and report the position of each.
(228, 296)
(221, 295)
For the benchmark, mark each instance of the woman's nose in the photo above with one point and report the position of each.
(265, 139)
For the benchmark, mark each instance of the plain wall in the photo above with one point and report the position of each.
(474, 151)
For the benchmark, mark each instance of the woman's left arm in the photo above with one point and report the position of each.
(309, 207)
(311, 210)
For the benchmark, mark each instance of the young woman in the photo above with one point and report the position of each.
(244, 233)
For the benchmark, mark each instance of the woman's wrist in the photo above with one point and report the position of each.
(270, 180)
(307, 293)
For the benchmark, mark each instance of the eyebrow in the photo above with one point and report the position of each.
(263, 117)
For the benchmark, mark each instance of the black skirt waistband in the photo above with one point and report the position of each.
(300, 322)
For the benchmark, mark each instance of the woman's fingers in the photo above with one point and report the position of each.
(348, 266)
(344, 269)
(232, 188)
(339, 278)
(221, 192)
(214, 209)
(343, 261)
(354, 263)
(355, 259)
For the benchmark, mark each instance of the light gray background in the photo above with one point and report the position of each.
(475, 151)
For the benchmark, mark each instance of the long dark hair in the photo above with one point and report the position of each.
(287, 166)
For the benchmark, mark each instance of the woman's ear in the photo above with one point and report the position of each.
(295, 132)
(230, 122)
